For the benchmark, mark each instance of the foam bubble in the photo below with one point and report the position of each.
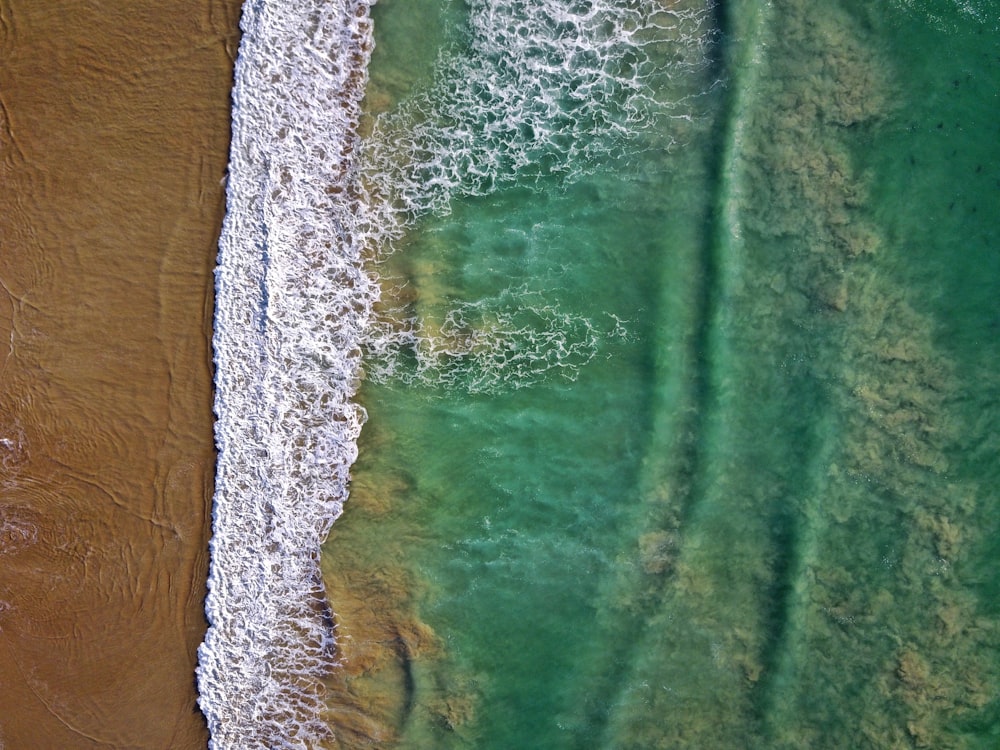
(951, 15)
(17, 531)
(507, 342)
(13, 452)
(537, 91)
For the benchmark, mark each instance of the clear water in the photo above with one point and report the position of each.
(681, 415)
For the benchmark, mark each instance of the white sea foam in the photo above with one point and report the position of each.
(511, 341)
(535, 91)
(951, 15)
(16, 531)
(292, 304)
(542, 88)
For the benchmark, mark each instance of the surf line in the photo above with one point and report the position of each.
(292, 303)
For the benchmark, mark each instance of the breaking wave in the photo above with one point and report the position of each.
(537, 90)
(292, 304)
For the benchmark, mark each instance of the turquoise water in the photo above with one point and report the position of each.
(731, 481)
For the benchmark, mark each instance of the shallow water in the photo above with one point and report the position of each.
(754, 506)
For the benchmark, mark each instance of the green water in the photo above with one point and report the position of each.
(759, 510)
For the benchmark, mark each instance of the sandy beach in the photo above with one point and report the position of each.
(114, 130)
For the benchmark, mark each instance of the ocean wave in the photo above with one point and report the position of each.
(292, 304)
(950, 16)
(509, 341)
(538, 90)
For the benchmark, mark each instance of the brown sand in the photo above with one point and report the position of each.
(114, 127)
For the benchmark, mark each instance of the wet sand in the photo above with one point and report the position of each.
(114, 129)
